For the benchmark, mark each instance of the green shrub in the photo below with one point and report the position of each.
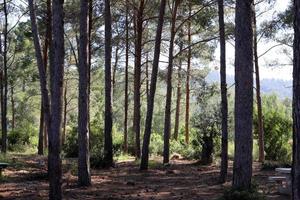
(156, 144)
(22, 138)
(277, 129)
(70, 147)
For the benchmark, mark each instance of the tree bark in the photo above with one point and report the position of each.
(108, 152)
(224, 104)
(167, 125)
(48, 39)
(57, 73)
(41, 142)
(178, 99)
(137, 79)
(42, 72)
(4, 82)
(126, 81)
(63, 137)
(188, 70)
(296, 105)
(84, 176)
(242, 168)
(261, 157)
(150, 106)
(12, 100)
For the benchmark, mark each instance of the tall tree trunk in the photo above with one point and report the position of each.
(115, 68)
(57, 73)
(108, 153)
(296, 105)
(167, 125)
(1, 87)
(12, 100)
(147, 76)
(178, 99)
(48, 38)
(64, 126)
(4, 82)
(224, 104)
(41, 142)
(84, 176)
(188, 71)
(137, 79)
(242, 168)
(261, 157)
(150, 106)
(126, 81)
(42, 71)
(90, 56)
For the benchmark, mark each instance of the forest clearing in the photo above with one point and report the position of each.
(182, 180)
(150, 99)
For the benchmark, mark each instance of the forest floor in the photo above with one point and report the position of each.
(26, 178)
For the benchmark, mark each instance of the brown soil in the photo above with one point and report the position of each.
(182, 180)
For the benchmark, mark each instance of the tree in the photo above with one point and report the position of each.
(178, 99)
(42, 73)
(187, 84)
(242, 168)
(167, 125)
(137, 77)
(4, 81)
(57, 76)
(224, 104)
(296, 104)
(261, 157)
(108, 152)
(84, 177)
(150, 102)
(126, 80)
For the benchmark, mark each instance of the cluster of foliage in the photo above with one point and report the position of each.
(277, 128)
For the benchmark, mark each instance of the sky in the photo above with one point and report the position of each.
(281, 68)
(275, 56)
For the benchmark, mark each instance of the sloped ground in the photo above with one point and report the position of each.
(27, 179)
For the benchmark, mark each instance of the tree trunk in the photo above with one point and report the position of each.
(167, 125)
(178, 99)
(4, 82)
(48, 39)
(12, 107)
(108, 152)
(63, 137)
(137, 79)
(224, 104)
(242, 169)
(42, 71)
(296, 105)
(261, 157)
(84, 177)
(126, 81)
(57, 73)
(115, 68)
(41, 141)
(147, 76)
(150, 106)
(187, 98)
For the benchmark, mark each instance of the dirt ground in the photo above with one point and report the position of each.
(185, 180)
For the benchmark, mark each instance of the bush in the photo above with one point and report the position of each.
(23, 138)
(235, 194)
(156, 144)
(70, 147)
(277, 129)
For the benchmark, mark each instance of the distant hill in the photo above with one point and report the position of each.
(281, 87)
